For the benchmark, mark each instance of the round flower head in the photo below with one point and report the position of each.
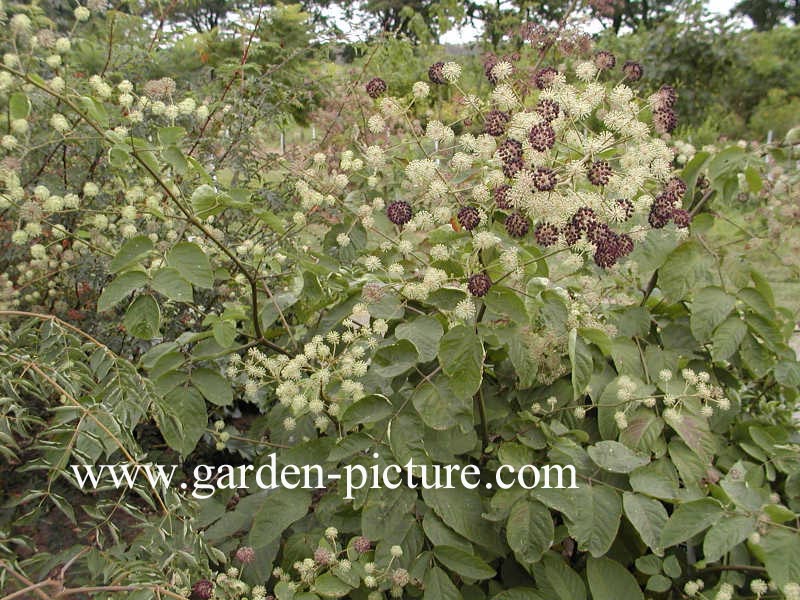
(435, 73)
(546, 234)
(82, 13)
(362, 545)
(421, 89)
(542, 137)
(517, 225)
(599, 173)
(203, 589)
(399, 212)
(545, 77)
(495, 122)
(500, 195)
(479, 284)
(469, 217)
(548, 109)
(633, 70)
(376, 87)
(605, 60)
(544, 179)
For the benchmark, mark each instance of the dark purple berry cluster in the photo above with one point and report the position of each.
(399, 212)
(479, 284)
(435, 73)
(605, 60)
(469, 217)
(376, 87)
(542, 137)
(495, 122)
(600, 172)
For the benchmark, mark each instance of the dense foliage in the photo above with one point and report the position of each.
(511, 263)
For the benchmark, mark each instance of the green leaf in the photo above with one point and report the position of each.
(710, 307)
(214, 387)
(169, 136)
(723, 161)
(692, 170)
(438, 405)
(519, 593)
(130, 252)
(690, 519)
(648, 516)
(395, 359)
(461, 510)
(648, 564)
(529, 530)
(461, 359)
(192, 264)
(205, 202)
(282, 507)
(615, 457)
(726, 534)
(594, 518)
(168, 281)
(580, 358)
(120, 288)
(694, 431)
(609, 580)
(369, 409)
(787, 373)
(782, 556)
(463, 563)
(727, 338)
(684, 268)
(174, 158)
(658, 583)
(181, 418)
(330, 586)
(557, 580)
(425, 333)
(503, 301)
(19, 106)
(143, 318)
(224, 333)
(283, 591)
(119, 157)
(439, 587)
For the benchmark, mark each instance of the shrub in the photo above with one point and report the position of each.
(524, 285)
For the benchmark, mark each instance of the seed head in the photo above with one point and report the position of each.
(681, 218)
(245, 555)
(362, 545)
(202, 590)
(544, 179)
(376, 87)
(544, 77)
(469, 217)
(542, 137)
(600, 172)
(495, 122)
(546, 234)
(517, 225)
(633, 70)
(501, 196)
(435, 73)
(399, 212)
(665, 120)
(548, 109)
(605, 60)
(479, 284)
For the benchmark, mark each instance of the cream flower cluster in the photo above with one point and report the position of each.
(322, 380)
